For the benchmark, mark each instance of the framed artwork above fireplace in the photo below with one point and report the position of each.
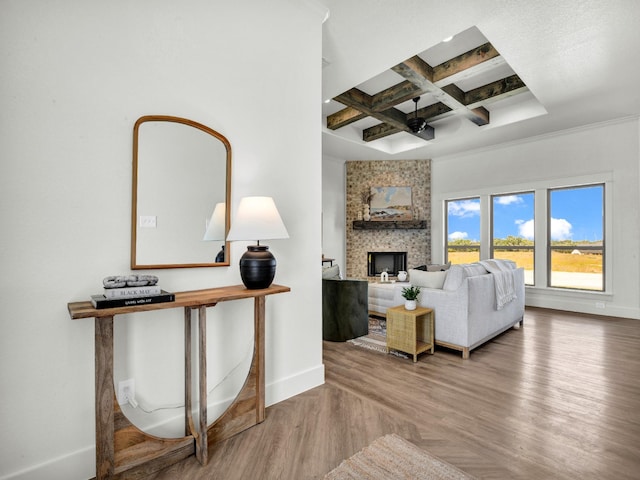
(391, 203)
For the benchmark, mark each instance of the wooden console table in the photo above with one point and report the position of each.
(124, 451)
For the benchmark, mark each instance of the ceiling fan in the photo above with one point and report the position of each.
(416, 124)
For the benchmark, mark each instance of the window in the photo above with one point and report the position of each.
(576, 237)
(512, 232)
(463, 230)
(556, 231)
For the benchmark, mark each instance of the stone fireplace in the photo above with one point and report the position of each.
(414, 240)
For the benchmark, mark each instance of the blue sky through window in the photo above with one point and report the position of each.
(576, 214)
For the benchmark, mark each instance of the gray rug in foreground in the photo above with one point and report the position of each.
(393, 458)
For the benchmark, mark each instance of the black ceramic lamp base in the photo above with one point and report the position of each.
(220, 255)
(257, 267)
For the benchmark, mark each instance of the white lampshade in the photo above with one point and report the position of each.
(257, 219)
(216, 225)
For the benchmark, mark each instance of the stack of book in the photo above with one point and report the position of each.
(126, 291)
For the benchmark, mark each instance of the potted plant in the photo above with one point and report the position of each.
(410, 295)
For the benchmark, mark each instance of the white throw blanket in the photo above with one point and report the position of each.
(504, 280)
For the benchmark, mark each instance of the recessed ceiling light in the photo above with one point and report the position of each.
(448, 39)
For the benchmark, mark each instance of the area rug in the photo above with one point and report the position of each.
(376, 340)
(393, 458)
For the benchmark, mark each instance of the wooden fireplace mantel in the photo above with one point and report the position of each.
(124, 451)
(390, 225)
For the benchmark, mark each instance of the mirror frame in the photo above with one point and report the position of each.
(134, 196)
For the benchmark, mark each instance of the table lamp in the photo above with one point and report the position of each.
(257, 219)
(216, 229)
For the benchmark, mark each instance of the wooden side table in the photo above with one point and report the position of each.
(410, 331)
(327, 260)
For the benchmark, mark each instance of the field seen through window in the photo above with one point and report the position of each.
(561, 261)
(568, 270)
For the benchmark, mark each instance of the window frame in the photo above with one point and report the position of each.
(540, 290)
(492, 198)
(550, 248)
(446, 224)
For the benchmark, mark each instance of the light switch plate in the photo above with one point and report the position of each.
(147, 221)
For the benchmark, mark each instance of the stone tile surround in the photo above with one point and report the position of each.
(361, 176)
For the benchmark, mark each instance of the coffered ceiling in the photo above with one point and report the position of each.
(460, 80)
(513, 70)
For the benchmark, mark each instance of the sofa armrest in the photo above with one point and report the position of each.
(451, 312)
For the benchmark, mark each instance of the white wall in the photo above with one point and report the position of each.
(75, 77)
(608, 152)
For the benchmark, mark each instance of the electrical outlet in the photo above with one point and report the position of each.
(124, 386)
(599, 304)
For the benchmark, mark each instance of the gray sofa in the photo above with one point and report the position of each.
(470, 307)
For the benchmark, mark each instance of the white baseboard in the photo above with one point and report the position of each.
(582, 306)
(288, 387)
(80, 465)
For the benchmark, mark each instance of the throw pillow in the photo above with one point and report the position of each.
(331, 273)
(438, 268)
(423, 279)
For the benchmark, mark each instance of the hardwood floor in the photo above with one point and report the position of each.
(556, 399)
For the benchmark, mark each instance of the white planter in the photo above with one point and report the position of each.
(410, 304)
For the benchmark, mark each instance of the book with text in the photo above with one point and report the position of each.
(100, 301)
(125, 292)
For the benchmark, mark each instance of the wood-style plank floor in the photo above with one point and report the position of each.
(556, 399)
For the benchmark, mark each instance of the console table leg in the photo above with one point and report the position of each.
(201, 441)
(189, 426)
(105, 462)
(259, 304)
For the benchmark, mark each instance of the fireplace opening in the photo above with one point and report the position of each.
(390, 262)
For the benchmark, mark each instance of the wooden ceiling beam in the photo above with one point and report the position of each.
(465, 62)
(378, 131)
(455, 99)
(362, 101)
(418, 72)
(394, 95)
(499, 89)
(344, 117)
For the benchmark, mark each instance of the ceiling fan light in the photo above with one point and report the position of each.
(416, 124)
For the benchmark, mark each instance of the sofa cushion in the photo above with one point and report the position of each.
(474, 269)
(423, 279)
(452, 282)
(384, 291)
(457, 273)
(332, 272)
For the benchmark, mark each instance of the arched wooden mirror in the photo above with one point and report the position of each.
(181, 173)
